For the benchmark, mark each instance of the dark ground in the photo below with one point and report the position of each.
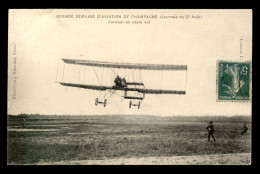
(36, 138)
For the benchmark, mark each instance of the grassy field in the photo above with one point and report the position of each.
(33, 139)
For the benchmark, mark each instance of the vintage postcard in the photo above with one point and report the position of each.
(129, 87)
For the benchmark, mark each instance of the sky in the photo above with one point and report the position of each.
(38, 39)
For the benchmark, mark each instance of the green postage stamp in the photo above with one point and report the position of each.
(233, 82)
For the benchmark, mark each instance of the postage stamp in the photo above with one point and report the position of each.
(233, 82)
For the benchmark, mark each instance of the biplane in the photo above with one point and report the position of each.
(121, 84)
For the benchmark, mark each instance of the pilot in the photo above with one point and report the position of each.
(117, 81)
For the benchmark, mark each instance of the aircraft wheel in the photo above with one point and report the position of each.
(130, 104)
(139, 105)
(105, 102)
(96, 102)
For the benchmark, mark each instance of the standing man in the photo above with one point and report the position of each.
(211, 130)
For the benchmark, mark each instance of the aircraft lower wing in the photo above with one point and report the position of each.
(94, 87)
(154, 91)
(103, 88)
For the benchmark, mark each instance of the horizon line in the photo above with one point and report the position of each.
(130, 115)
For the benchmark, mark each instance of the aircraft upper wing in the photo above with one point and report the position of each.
(102, 88)
(127, 65)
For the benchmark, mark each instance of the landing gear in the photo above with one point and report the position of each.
(131, 104)
(98, 102)
(105, 102)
